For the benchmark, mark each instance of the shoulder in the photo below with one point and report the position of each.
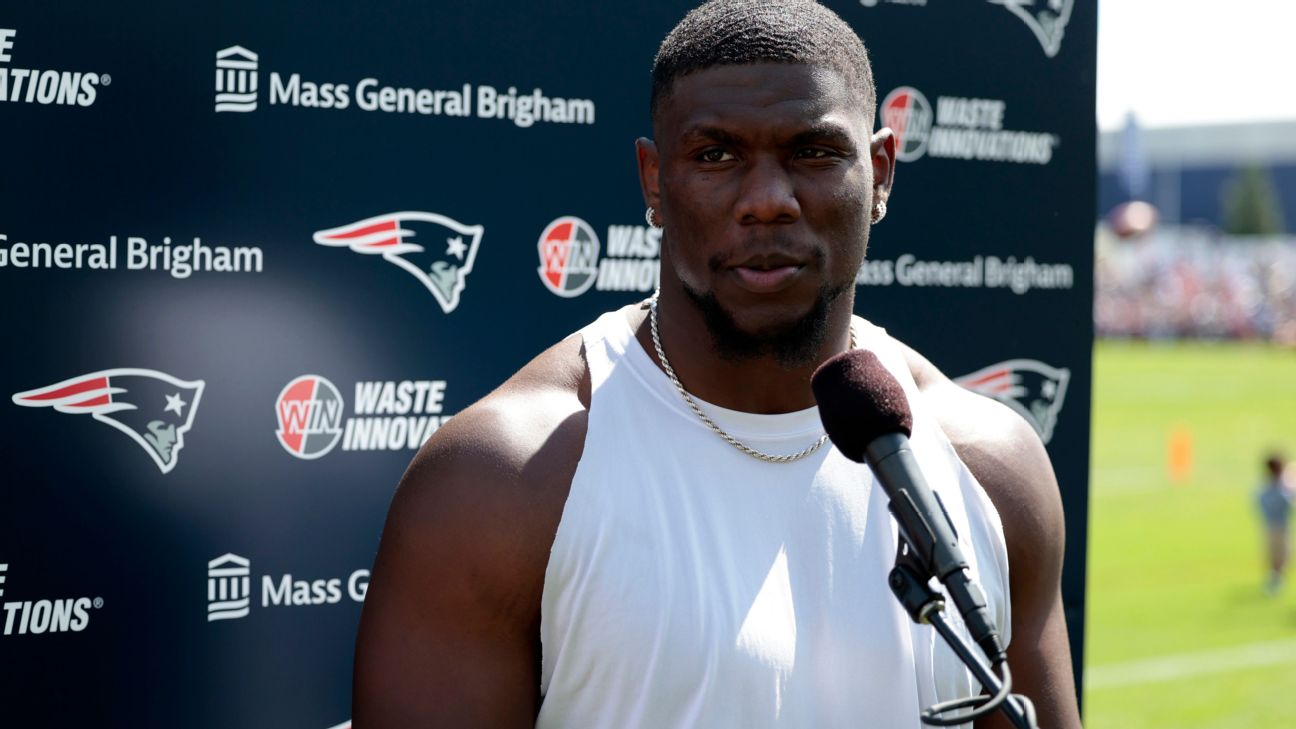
(512, 423)
(482, 499)
(512, 451)
(1006, 456)
(450, 620)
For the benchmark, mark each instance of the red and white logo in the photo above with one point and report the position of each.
(310, 417)
(389, 415)
(961, 128)
(1035, 390)
(569, 255)
(152, 407)
(906, 111)
(436, 250)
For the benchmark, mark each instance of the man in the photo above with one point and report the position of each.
(611, 541)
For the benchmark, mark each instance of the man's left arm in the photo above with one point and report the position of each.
(1008, 459)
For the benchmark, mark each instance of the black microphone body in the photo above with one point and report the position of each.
(926, 528)
(866, 414)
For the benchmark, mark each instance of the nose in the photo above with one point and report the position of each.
(767, 195)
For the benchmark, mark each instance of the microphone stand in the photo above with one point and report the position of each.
(909, 582)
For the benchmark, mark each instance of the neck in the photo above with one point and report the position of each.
(757, 384)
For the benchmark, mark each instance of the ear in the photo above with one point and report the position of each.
(646, 151)
(883, 150)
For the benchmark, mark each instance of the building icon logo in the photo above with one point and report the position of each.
(3, 569)
(236, 79)
(228, 588)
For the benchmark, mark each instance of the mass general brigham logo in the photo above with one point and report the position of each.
(229, 588)
(236, 79)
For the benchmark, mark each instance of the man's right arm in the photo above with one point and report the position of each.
(449, 635)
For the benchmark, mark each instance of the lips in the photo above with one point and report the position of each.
(767, 274)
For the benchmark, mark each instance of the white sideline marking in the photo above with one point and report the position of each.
(1185, 665)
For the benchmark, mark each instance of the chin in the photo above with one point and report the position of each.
(790, 332)
(769, 320)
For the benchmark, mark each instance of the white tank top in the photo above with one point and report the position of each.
(691, 585)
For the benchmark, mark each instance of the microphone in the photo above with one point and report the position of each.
(866, 415)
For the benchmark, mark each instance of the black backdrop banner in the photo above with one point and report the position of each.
(273, 247)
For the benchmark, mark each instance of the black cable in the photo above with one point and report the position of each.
(924, 605)
(982, 705)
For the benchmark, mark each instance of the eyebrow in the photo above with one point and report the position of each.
(712, 133)
(822, 132)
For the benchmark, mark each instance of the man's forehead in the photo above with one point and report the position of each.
(763, 94)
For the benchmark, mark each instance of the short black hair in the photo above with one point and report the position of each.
(1276, 463)
(741, 32)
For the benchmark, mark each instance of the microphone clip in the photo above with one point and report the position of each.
(911, 588)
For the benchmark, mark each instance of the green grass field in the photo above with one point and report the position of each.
(1175, 567)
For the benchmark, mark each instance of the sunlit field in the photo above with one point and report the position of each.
(1180, 632)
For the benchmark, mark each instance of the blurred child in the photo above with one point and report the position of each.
(1275, 501)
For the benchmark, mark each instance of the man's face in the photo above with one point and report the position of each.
(764, 182)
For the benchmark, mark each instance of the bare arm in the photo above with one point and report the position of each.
(1010, 462)
(449, 634)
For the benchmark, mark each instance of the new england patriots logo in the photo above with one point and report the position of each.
(1047, 19)
(153, 408)
(1032, 388)
(436, 250)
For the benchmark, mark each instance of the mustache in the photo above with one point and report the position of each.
(777, 249)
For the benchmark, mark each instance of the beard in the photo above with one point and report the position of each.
(794, 344)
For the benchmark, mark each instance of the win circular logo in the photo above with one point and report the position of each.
(310, 416)
(909, 115)
(569, 252)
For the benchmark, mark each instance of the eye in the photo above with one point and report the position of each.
(814, 153)
(715, 154)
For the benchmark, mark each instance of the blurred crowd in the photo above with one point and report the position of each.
(1195, 283)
